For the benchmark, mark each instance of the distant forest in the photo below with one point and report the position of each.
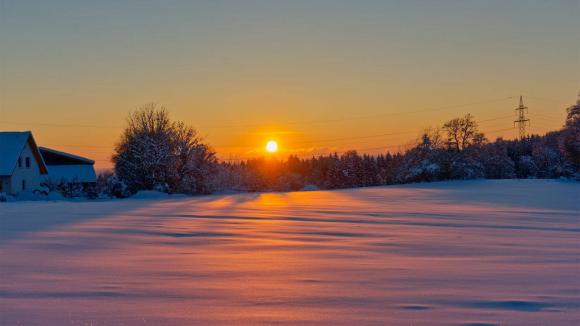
(155, 153)
(456, 151)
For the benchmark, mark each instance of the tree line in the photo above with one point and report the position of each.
(155, 153)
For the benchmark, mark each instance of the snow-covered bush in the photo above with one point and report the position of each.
(116, 188)
(496, 161)
(465, 169)
(156, 153)
(527, 167)
(67, 189)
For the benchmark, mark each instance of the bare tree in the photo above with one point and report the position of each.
(431, 137)
(462, 132)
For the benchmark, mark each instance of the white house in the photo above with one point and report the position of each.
(24, 166)
(21, 164)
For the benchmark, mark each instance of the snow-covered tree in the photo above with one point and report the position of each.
(457, 151)
(155, 153)
(496, 161)
(194, 164)
(143, 157)
(570, 138)
(527, 167)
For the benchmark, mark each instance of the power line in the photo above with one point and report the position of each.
(547, 122)
(314, 141)
(547, 116)
(495, 119)
(351, 118)
(429, 109)
(500, 130)
(547, 99)
(356, 138)
(320, 140)
(549, 119)
(370, 136)
(60, 125)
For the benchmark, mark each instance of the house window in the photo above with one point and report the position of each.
(20, 162)
(28, 162)
(23, 185)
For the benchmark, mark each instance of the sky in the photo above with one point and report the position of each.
(317, 76)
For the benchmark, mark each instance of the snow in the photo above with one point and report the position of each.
(30, 196)
(151, 194)
(71, 172)
(451, 253)
(11, 145)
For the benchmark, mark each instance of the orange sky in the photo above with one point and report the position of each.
(317, 76)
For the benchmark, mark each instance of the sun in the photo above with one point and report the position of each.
(272, 146)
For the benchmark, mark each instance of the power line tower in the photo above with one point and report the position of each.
(522, 121)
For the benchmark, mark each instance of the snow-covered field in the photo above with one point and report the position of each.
(454, 253)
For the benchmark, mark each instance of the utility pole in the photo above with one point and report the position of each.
(522, 121)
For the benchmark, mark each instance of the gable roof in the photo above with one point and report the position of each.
(11, 146)
(51, 156)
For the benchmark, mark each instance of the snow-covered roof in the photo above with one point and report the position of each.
(11, 145)
(72, 173)
(68, 155)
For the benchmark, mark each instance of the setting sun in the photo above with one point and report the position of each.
(272, 147)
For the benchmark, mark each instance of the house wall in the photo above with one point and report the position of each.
(30, 175)
(5, 184)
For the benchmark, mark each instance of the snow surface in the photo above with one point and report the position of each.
(152, 194)
(71, 173)
(452, 253)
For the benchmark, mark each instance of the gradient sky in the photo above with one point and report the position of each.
(316, 75)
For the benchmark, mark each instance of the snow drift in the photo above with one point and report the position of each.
(453, 253)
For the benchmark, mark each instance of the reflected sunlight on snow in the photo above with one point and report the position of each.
(454, 252)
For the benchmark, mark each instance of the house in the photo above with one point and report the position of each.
(21, 164)
(68, 168)
(25, 167)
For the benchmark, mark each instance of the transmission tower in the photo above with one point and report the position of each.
(522, 121)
